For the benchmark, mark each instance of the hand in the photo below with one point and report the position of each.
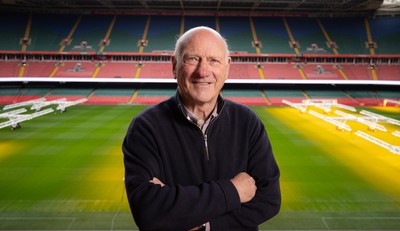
(245, 185)
(201, 227)
(155, 180)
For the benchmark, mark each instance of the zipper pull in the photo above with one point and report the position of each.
(206, 148)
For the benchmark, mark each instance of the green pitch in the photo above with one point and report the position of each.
(64, 171)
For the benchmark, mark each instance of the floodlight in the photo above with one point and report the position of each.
(392, 148)
(371, 125)
(345, 107)
(14, 121)
(29, 102)
(295, 105)
(340, 125)
(38, 105)
(63, 105)
(12, 113)
(380, 117)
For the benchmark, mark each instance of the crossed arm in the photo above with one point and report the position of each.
(243, 182)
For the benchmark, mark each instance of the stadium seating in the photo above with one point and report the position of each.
(385, 32)
(12, 30)
(162, 33)
(9, 68)
(388, 72)
(157, 34)
(110, 96)
(357, 72)
(238, 34)
(308, 35)
(117, 70)
(281, 71)
(129, 69)
(321, 71)
(39, 69)
(152, 96)
(193, 21)
(156, 70)
(79, 69)
(89, 33)
(48, 32)
(348, 33)
(243, 71)
(272, 35)
(126, 33)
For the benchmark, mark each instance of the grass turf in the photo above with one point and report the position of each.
(64, 171)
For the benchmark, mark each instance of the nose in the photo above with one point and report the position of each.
(203, 68)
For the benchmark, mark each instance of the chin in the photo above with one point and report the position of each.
(204, 99)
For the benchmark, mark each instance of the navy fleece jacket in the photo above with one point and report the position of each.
(197, 169)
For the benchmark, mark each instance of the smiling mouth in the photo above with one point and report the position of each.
(202, 83)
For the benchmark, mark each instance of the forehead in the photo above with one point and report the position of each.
(205, 43)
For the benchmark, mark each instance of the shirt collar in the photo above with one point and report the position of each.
(192, 117)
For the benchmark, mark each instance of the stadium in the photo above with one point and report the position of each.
(324, 77)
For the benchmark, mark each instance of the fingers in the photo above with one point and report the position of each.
(155, 180)
(245, 185)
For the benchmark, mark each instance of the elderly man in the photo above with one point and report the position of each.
(197, 161)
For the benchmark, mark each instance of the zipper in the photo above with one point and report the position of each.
(205, 137)
(206, 153)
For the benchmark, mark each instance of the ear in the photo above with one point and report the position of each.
(228, 64)
(174, 62)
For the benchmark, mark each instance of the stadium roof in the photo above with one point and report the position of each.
(389, 7)
(316, 7)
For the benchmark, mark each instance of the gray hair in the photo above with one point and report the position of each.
(182, 40)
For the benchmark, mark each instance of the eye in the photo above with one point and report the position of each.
(214, 61)
(192, 60)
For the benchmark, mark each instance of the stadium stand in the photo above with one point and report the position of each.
(275, 96)
(364, 97)
(76, 69)
(388, 72)
(238, 34)
(272, 35)
(246, 96)
(156, 70)
(162, 33)
(139, 46)
(308, 35)
(281, 71)
(126, 33)
(38, 68)
(9, 68)
(386, 33)
(348, 34)
(110, 96)
(90, 32)
(358, 72)
(12, 30)
(243, 71)
(193, 21)
(47, 33)
(117, 70)
(151, 95)
(321, 71)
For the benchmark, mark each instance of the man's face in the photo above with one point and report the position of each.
(203, 69)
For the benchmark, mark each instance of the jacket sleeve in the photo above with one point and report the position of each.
(264, 169)
(172, 207)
